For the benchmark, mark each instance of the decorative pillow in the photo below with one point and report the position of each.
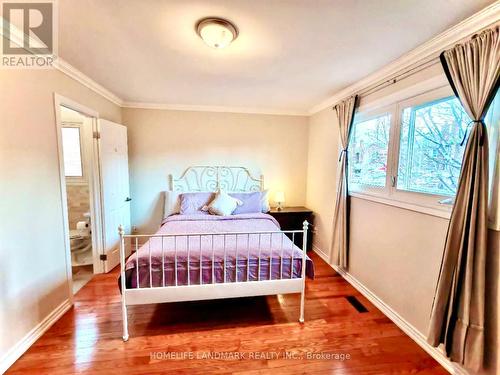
(191, 203)
(223, 204)
(251, 202)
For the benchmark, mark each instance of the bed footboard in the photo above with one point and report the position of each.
(171, 276)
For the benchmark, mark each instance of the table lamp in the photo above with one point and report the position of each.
(279, 198)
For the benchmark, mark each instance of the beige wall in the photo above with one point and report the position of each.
(163, 142)
(394, 252)
(397, 253)
(33, 282)
(323, 154)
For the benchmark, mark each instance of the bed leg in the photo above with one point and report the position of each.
(125, 322)
(121, 232)
(302, 300)
(304, 260)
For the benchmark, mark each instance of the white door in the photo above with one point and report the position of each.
(115, 193)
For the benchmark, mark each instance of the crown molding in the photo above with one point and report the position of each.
(423, 53)
(210, 108)
(88, 82)
(68, 69)
(17, 36)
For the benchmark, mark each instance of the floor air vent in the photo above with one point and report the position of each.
(356, 304)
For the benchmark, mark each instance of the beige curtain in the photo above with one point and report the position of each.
(340, 241)
(457, 317)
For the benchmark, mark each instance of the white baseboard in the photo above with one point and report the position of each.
(22, 345)
(321, 254)
(397, 319)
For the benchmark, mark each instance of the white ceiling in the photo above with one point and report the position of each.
(289, 56)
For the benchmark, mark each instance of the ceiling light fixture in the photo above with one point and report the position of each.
(216, 32)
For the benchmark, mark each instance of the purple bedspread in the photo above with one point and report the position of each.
(246, 256)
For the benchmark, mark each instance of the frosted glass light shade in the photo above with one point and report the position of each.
(216, 32)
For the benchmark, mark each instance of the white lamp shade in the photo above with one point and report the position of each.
(279, 197)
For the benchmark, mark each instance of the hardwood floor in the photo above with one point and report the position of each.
(87, 339)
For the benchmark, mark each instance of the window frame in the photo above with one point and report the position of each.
(366, 116)
(76, 180)
(433, 204)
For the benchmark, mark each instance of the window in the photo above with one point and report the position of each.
(72, 152)
(368, 146)
(431, 146)
(409, 153)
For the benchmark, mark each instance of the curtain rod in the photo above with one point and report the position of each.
(398, 77)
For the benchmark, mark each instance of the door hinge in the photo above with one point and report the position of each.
(97, 135)
(103, 257)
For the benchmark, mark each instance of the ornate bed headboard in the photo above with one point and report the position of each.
(213, 178)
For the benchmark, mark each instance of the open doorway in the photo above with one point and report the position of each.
(93, 162)
(75, 129)
(75, 141)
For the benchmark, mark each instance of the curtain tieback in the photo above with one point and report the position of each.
(342, 152)
(481, 141)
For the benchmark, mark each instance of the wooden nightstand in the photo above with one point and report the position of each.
(291, 218)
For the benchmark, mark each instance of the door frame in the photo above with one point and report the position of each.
(93, 183)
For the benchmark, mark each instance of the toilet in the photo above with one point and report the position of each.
(80, 239)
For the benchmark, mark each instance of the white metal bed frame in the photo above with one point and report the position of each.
(212, 178)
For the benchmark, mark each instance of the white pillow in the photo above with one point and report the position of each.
(223, 204)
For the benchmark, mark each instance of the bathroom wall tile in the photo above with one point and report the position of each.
(78, 203)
